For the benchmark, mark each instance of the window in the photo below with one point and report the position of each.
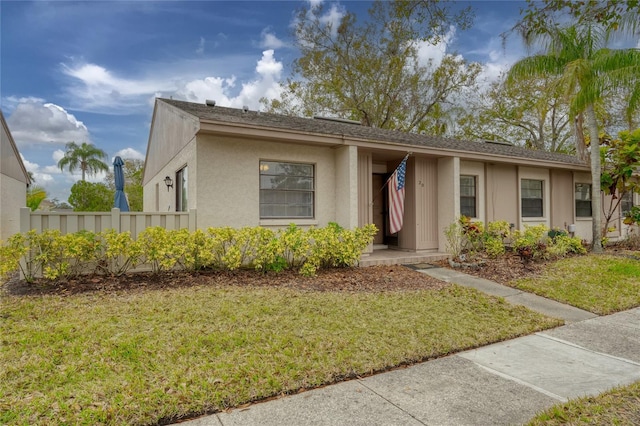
(627, 203)
(468, 196)
(181, 190)
(583, 200)
(531, 193)
(286, 190)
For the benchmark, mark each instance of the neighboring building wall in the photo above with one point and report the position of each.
(228, 179)
(12, 198)
(502, 193)
(562, 199)
(13, 183)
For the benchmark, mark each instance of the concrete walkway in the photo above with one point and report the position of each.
(501, 384)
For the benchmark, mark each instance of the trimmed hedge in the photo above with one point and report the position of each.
(55, 256)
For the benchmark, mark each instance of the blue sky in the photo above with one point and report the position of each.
(89, 71)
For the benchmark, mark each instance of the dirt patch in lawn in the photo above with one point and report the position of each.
(373, 278)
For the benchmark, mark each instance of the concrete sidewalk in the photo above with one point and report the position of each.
(504, 383)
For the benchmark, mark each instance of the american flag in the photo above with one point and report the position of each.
(396, 197)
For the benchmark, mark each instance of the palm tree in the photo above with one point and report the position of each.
(587, 71)
(85, 157)
(35, 195)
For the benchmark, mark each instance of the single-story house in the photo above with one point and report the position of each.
(14, 181)
(238, 168)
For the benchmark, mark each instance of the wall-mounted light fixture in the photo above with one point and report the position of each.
(169, 182)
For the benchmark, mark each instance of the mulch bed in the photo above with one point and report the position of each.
(503, 269)
(369, 279)
(373, 278)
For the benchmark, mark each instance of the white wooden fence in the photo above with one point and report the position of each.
(134, 222)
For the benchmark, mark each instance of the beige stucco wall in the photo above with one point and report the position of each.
(171, 131)
(13, 195)
(228, 180)
(346, 159)
(502, 196)
(164, 199)
(474, 168)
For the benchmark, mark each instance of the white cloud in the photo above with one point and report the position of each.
(330, 17)
(57, 155)
(266, 84)
(333, 17)
(41, 176)
(129, 154)
(435, 52)
(268, 40)
(98, 89)
(200, 49)
(35, 122)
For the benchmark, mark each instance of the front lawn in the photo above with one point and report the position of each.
(148, 356)
(601, 284)
(620, 406)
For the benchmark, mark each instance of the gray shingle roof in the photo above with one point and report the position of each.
(333, 128)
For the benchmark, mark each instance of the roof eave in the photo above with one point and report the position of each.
(294, 136)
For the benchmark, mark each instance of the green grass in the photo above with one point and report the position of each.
(620, 406)
(143, 357)
(596, 283)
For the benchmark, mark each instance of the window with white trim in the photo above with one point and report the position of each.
(626, 204)
(532, 200)
(286, 190)
(583, 200)
(468, 203)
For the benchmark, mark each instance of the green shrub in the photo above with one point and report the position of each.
(10, 254)
(555, 232)
(119, 252)
(494, 247)
(455, 239)
(55, 256)
(474, 235)
(499, 229)
(159, 248)
(563, 244)
(295, 245)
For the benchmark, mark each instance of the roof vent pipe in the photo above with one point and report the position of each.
(245, 108)
(209, 102)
